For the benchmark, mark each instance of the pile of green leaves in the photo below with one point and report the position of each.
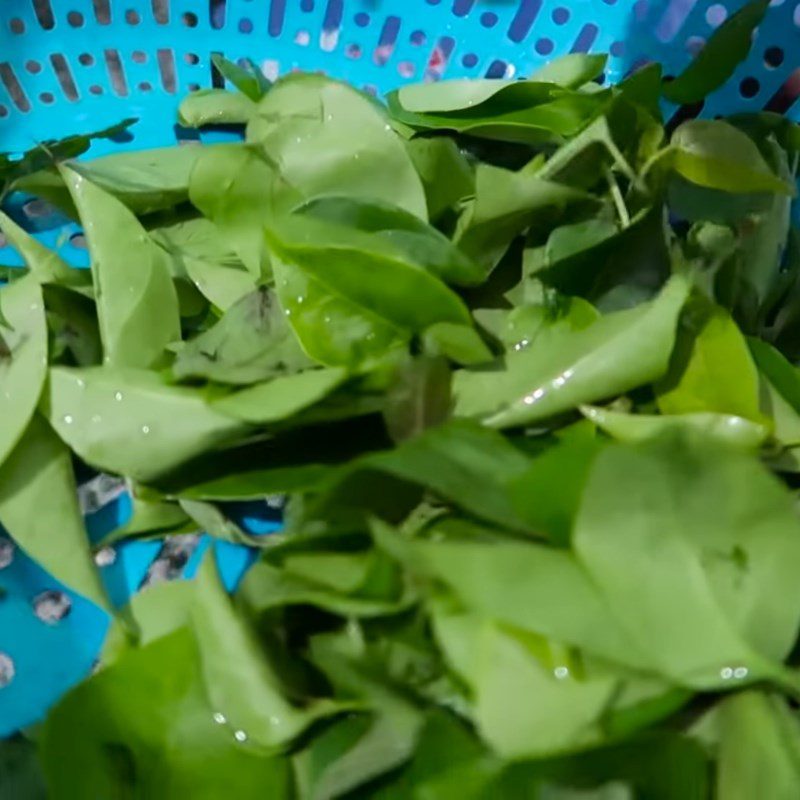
(522, 360)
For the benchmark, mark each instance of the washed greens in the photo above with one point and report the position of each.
(522, 360)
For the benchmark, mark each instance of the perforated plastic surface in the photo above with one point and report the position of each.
(69, 66)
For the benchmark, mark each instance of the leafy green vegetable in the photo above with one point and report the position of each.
(45, 265)
(716, 62)
(137, 305)
(215, 107)
(23, 358)
(176, 747)
(714, 154)
(145, 181)
(249, 80)
(38, 475)
(305, 115)
(252, 342)
(131, 421)
(517, 361)
(758, 748)
(564, 367)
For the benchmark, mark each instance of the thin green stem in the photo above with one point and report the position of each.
(619, 200)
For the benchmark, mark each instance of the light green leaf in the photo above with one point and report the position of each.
(237, 188)
(45, 265)
(215, 107)
(572, 70)
(252, 342)
(692, 547)
(39, 508)
(419, 242)
(305, 115)
(250, 81)
(353, 270)
(131, 421)
(241, 683)
(23, 358)
(564, 368)
(722, 428)
(759, 749)
(523, 707)
(143, 180)
(281, 397)
(445, 172)
(147, 729)
(505, 205)
(711, 370)
(266, 588)
(197, 250)
(460, 343)
(136, 301)
(714, 154)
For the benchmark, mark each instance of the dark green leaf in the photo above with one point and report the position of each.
(720, 56)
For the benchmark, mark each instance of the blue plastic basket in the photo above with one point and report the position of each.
(69, 66)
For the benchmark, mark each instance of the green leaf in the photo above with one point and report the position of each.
(460, 461)
(132, 422)
(237, 188)
(572, 70)
(564, 368)
(305, 115)
(251, 81)
(45, 265)
(526, 112)
(137, 304)
(711, 369)
(145, 181)
(516, 583)
(418, 241)
(714, 154)
(722, 428)
(705, 587)
(523, 707)
(460, 343)
(446, 174)
(329, 270)
(252, 342)
(147, 729)
(39, 508)
(505, 205)
(23, 358)
(215, 107)
(460, 94)
(716, 62)
(241, 683)
(266, 588)
(196, 249)
(681, 567)
(759, 749)
(49, 152)
(547, 494)
(282, 397)
(390, 740)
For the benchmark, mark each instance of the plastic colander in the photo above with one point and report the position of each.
(70, 66)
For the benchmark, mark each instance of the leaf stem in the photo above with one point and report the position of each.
(619, 201)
